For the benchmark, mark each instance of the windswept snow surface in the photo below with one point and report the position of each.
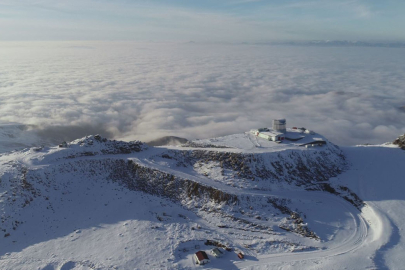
(378, 175)
(81, 218)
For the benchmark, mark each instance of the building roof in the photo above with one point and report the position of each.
(201, 255)
(217, 251)
(272, 133)
(281, 121)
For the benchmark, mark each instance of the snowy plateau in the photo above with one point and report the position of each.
(103, 204)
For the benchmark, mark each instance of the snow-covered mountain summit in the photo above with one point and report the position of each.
(95, 203)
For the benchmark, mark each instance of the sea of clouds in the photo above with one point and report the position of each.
(129, 90)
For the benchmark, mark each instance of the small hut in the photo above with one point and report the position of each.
(201, 257)
(216, 252)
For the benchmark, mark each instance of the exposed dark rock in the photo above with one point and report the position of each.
(340, 191)
(294, 167)
(297, 224)
(400, 141)
(198, 145)
(214, 243)
(97, 145)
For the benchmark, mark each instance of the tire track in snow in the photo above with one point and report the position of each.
(357, 239)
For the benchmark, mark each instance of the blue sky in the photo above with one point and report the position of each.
(203, 20)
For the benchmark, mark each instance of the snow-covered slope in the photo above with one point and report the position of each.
(101, 204)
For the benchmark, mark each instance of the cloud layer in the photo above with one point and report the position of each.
(145, 91)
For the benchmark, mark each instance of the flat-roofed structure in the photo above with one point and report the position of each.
(272, 136)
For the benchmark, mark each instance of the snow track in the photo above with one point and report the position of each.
(356, 240)
(363, 234)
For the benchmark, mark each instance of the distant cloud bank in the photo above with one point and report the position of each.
(337, 43)
(149, 90)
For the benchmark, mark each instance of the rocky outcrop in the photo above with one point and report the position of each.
(340, 191)
(136, 177)
(202, 145)
(291, 166)
(96, 145)
(309, 169)
(400, 141)
(294, 222)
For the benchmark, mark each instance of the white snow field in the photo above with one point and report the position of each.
(100, 204)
